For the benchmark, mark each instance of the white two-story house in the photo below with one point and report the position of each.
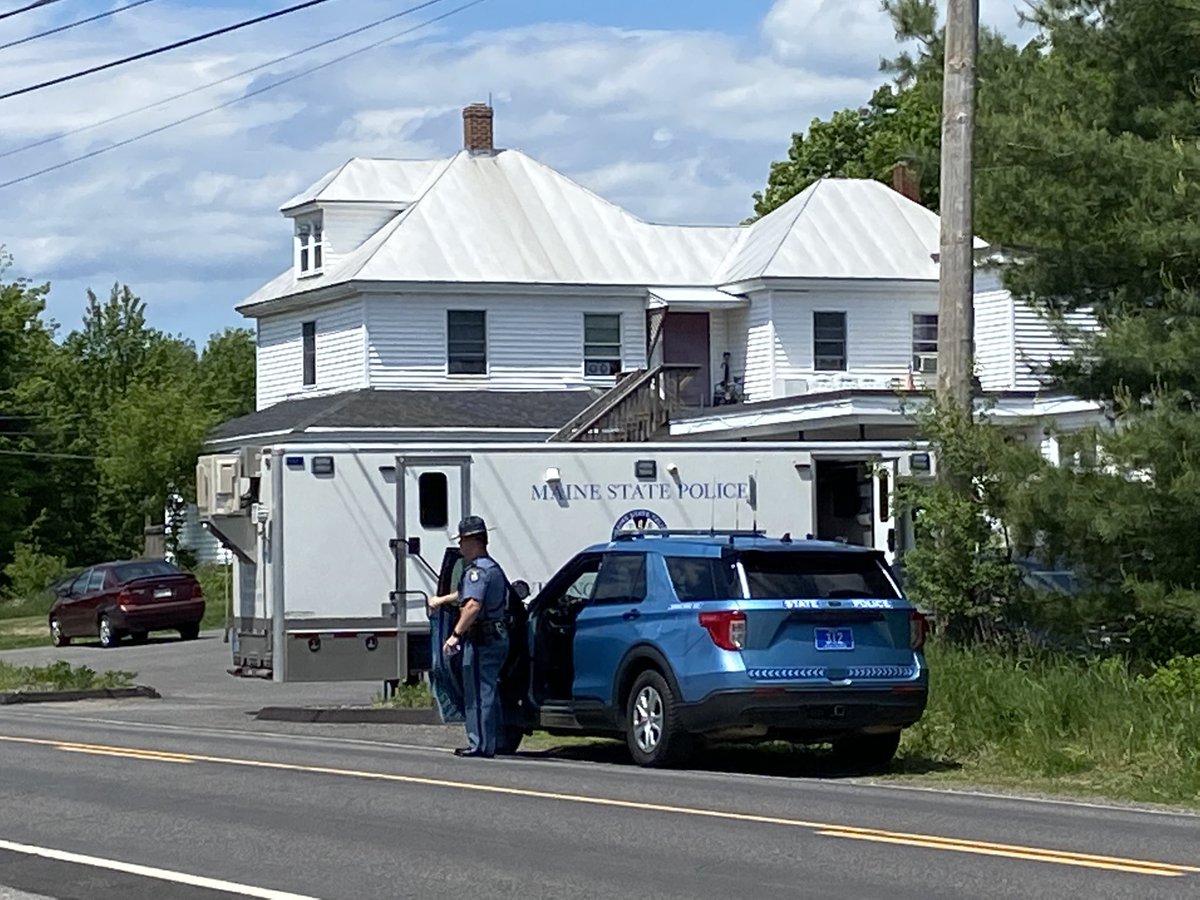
(489, 297)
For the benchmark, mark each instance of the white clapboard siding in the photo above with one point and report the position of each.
(995, 352)
(878, 338)
(1037, 344)
(340, 355)
(348, 226)
(534, 343)
(759, 366)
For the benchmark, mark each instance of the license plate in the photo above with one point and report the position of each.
(834, 638)
(163, 593)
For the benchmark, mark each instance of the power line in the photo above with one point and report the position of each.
(69, 26)
(279, 59)
(262, 90)
(146, 54)
(27, 8)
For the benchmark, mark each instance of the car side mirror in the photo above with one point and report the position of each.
(521, 589)
(63, 592)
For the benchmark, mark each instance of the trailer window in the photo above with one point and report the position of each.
(433, 499)
(699, 578)
(816, 576)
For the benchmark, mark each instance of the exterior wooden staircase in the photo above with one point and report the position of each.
(637, 408)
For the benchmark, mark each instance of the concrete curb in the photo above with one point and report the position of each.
(346, 715)
(14, 697)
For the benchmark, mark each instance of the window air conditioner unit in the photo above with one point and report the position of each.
(925, 364)
(791, 387)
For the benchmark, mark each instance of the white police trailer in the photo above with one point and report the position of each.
(337, 547)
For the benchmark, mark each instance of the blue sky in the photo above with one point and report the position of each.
(672, 109)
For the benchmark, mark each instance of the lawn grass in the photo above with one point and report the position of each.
(60, 676)
(28, 631)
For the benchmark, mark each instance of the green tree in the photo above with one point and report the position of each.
(26, 346)
(226, 376)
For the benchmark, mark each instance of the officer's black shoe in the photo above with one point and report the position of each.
(467, 752)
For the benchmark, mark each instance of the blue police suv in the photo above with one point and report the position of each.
(670, 637)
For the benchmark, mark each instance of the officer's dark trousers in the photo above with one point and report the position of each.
(481, 671)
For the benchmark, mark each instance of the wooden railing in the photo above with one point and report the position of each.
(637, 408)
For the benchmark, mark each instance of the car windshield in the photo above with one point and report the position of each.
(814, 575)
(151, 568)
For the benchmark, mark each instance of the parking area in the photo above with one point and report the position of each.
(197, 689)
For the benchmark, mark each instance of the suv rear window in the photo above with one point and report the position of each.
(816, 576)
(700, 577)
(148, 569)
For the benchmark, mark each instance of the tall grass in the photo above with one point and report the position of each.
(1049, 719)
(60, 676)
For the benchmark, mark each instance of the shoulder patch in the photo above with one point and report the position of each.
(473, 575)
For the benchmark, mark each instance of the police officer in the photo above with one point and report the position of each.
(482, 635)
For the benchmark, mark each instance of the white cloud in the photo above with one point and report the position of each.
(677, 125)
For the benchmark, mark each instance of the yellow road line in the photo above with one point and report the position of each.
(1023, 853)
(981, 848)
(127, 754)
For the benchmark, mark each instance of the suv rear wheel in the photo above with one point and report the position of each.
(867, 752)
(108, 635)
(653, 731)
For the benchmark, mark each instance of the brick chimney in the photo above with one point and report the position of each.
(906, 182)
(477, 128)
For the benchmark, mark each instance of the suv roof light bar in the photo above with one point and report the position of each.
(695, 532)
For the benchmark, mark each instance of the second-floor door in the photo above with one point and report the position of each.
(686, 341)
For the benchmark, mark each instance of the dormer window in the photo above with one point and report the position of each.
(309, 246)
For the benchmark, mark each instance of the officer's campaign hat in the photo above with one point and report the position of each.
(471, 526)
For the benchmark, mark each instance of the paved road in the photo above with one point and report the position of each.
(150, 798)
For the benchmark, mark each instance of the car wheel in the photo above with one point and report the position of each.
(190, 631)
(57, 638)
(108, 634)
(867, 752)
(652, 728)
(139, 637)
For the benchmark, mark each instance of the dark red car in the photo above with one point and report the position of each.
(131, 598)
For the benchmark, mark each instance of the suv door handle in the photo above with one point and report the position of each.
(630, 615)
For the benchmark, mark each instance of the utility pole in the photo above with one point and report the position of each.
(956, 307)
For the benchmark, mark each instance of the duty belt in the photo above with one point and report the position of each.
(484, 632)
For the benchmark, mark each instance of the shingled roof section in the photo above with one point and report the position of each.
(370, 408)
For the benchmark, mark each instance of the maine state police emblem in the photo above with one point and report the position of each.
(638, 521)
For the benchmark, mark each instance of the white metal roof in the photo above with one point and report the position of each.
(360, 180)
(840, 228)
(504, 218)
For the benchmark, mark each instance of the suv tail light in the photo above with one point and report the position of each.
(918, 627)
(125, 597)
(727, 628)
(197, 591)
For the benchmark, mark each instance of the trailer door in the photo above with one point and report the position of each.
(884, 502)
(432, 495)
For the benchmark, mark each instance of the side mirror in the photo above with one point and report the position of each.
(62, 591)
(414, 546)
(521, 589)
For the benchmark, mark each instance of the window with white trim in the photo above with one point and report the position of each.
(310, 245)
(466, 342)
(925, 343)
(829, 341)
(308, 335)
(601, 344)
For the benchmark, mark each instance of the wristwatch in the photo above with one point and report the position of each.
(455, 634)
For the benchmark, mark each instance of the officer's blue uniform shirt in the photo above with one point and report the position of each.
(483, 581)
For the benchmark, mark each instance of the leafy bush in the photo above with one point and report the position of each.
(213, 578)
(31, 575)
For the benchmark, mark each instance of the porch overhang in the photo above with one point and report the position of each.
(814, 413)
(693, 299)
